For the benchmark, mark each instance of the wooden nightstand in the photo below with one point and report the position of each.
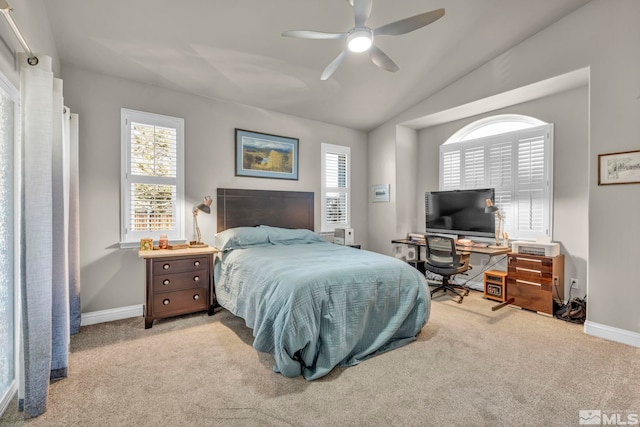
(178, 282)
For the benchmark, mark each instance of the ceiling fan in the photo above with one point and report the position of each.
(360, 37)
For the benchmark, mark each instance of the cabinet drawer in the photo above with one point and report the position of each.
(541, 278)
(530, 296)
(531, 262)
(184, 301)
(173, 282)
(179, 265)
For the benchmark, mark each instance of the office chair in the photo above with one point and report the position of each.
(443, 259)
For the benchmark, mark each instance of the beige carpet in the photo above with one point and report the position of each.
(469, 367)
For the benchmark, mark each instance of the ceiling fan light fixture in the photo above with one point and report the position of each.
(360, 40)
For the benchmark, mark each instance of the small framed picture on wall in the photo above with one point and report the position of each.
(380, 193)
(619, 168)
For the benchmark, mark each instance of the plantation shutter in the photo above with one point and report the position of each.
(532, 185)
(501, 166)
(450, 170)
(474, 168)
(335, 182)
(153, 176)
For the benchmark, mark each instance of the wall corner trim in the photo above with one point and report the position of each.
(102, 316)
(612, 334)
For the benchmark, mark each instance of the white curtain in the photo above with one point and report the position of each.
(49, 241)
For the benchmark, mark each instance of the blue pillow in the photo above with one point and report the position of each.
(291, 236)
(241, 237)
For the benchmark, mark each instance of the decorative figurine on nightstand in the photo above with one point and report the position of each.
(205, 207)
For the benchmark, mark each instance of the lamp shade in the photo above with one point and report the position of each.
(205, 206)
(490, 208)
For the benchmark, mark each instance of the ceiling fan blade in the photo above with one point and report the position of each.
(333, 66)
(362, 10)
(379, 58)
(315, 35)
(407, 25)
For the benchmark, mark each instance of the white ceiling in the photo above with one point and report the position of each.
(233, 49)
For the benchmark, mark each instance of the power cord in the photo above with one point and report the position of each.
(464, 285)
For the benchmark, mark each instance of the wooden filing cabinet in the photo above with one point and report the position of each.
(178, 282)
(495, 285)
(535, 282)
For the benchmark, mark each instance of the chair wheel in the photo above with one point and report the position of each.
(460, 300)
(466, 292)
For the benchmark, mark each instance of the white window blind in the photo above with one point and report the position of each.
(518, 165)
(450, 170)
(335, 187)
(152, 189)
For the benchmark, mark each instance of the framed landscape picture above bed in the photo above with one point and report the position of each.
(262, 155)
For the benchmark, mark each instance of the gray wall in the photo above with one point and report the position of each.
(113, 277)
(602, 37)
(568, 111)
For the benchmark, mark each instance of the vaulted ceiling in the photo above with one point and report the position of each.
(233, 49)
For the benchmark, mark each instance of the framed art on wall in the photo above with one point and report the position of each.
(619, 168)
(380, 193)
(262, 155)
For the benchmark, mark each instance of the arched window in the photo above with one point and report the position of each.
(512, 154)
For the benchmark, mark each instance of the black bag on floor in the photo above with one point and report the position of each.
(575, 311)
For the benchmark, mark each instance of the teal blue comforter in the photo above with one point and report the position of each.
(315, 306)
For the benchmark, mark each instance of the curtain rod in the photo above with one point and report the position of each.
(6, 11)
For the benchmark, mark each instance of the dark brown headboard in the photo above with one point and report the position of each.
(248, 208)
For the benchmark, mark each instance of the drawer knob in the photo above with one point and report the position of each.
(166, 301)
(196, 263)
(166, 282)
(196, 278)
(166, 266)
(196, 297)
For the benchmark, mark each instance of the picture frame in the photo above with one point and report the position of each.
(380, 193)
(619, 168)
(262, 155)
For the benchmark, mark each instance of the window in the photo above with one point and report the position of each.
(518, 164)
(152, 176)
(9, 217)
(336, 188)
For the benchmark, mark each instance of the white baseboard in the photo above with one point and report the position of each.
(93, 317)
(612, 334)
(8, 397)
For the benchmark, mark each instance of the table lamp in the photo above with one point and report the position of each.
(491, 208)
(205, 207)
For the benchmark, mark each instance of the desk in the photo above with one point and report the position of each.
(464, 251)
(459, 248)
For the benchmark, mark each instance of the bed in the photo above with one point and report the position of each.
(311, 304)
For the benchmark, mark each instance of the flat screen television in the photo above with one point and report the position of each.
(460, 212)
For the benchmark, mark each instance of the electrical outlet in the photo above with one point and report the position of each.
(574, 283)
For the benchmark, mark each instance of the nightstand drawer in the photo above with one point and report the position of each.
(179, 265)
(185, 301)
(173, 282)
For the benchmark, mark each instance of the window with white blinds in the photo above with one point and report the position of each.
(518, 165)
(336, 188)
(152, 176)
